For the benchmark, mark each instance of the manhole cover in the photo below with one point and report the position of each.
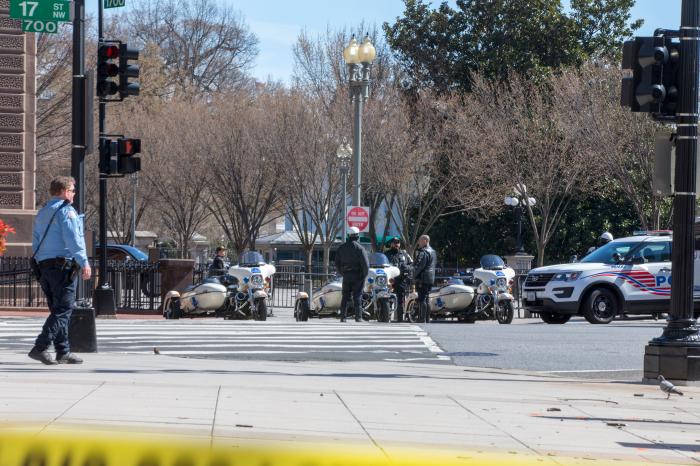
(469, 353)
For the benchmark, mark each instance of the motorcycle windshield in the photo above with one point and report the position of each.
(251, 259)
(378, 260)
(492, 262)
(455, 281)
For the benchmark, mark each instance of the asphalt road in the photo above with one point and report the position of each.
(576, 349)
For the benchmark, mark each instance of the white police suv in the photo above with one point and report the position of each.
(626, 276)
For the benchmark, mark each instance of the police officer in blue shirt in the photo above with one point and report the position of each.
(61, 255)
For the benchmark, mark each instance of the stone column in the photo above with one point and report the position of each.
(17, 131)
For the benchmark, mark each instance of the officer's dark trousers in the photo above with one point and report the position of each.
(400, 287)
(352, 288)
(58, 285)
(423, 290)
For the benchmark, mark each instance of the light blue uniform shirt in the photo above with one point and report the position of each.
(65, 237)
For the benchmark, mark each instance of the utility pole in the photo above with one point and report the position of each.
(103, 296)
(681, 330)
(134, 186)
(79, 137)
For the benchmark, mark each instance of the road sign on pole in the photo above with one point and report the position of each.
(38, 25)
(43, 11)
(358, 217)
(114, 3)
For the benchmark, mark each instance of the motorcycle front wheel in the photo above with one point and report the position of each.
(504, 312)
(173, 310)
(384, 311)
(413, 311)
(260, 309)
(301, 310)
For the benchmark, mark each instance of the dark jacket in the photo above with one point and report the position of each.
(401, 259)
(424, 266)
(217, 267)
(351, 259)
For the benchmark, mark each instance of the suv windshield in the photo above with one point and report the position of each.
(378, 259)
(604, 254)
(492, 262)
(251, 258)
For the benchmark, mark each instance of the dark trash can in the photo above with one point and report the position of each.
(82, 332)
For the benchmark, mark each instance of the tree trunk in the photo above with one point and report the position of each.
(309, 258)
(540, 253)
(326, 258)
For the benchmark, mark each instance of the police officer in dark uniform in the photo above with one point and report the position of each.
(424, 274)
(218, 266)
(402, 260)
(352, 263)
(59, 245)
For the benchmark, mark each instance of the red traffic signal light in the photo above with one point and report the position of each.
(128, 146)
(106, 69)
(109, 51)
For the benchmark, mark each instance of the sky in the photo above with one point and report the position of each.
(277, 23)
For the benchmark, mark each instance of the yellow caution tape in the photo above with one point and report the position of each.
(80, 449)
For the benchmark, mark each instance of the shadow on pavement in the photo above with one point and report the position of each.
(31, 367)
(663, 446)
(622, 421)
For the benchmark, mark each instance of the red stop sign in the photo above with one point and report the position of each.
(359, 217)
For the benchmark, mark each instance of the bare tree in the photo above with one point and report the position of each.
(624, 141)
(529, 134)
(204, 46)
(311, 180)
(246, 167)
(176, 157)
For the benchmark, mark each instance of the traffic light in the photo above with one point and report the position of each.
(127, 71)
(106, 69)
(117, 156)
(126, 149)
(652, 73)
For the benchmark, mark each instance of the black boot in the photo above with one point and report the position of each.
(424, 314)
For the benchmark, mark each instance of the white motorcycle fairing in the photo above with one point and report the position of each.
(208, 296)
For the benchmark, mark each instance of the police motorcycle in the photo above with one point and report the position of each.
(242, 293)
(452, 299)
(378, 301)
(492, 298)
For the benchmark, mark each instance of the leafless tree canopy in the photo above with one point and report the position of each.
(204, 46)
(224, 155)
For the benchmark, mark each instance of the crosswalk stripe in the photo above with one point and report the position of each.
(247, 339)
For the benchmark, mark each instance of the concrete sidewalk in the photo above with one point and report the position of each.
(384, 406)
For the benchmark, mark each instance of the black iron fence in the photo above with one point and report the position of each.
(136, 285)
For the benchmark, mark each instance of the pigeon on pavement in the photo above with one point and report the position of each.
(667, 387)
(156, 351)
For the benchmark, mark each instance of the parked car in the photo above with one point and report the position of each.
(122, 252)
(126, 253)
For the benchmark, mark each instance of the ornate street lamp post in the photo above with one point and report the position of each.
(344, 154)
(520, 201)
(359, 58)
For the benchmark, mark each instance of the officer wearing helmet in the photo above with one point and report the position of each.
(352, 264)
(603, 239)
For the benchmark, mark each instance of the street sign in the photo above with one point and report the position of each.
(359, 217)
(114, 3)
(37, 25)
(41, 11)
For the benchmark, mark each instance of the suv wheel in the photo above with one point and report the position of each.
(601, 306)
